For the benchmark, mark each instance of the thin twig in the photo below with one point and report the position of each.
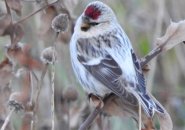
(9, 11)
(33, 13)
(53, 95)
(31, 98)
(40, 85)
(140, 120)
(32, 89)
(145, 60)
(68, 114)
(53, 85)
(38, 93)
(34, 75)
(11, 22)
(7, 8)
(32, 125)
(90, 118)
(7, 119)
(29, 0)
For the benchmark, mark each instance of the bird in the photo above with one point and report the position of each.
(103, 59)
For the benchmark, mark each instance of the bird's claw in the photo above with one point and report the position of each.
(97, 102)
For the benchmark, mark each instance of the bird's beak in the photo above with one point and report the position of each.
(85, 23)
(85, 26)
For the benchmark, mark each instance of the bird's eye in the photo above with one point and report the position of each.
(93, 23)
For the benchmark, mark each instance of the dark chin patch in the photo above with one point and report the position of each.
(93, 12)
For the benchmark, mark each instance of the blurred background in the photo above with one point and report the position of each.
(142, 20)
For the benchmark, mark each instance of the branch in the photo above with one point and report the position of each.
(145, 60)
(90, 118)
(29, 0)
(33, 13)
(36, 100)
(174, 35)
(7, 119)
(40, 86)
(9, 13)
(7, 8)
(154, 53)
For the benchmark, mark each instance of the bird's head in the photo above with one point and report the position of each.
(96, 19)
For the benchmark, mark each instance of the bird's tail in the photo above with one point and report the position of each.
(150, 105)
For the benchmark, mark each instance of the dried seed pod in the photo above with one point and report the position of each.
(16, 102)
(70, 94)
(6, 72)
(60, 23)
(12, 51)
(49, 55)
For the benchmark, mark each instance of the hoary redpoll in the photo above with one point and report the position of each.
(104, 61)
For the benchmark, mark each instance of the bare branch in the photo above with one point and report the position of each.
(90, 118)
(36, 100)
(40, 86)
(150, 56)
(7, 7)
(53, 94)
(174, 35)
(7, 119)
(35, 12)
(29, 0)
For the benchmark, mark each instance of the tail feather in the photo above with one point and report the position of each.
(150, 106)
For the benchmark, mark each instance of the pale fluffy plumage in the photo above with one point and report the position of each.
(104, 61)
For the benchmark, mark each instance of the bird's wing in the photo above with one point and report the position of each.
(109, 73)
(140, 77)
(149, 105)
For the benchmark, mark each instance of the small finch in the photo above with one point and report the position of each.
(104, 61)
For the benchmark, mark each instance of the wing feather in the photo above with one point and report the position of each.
(140, 77)
(109, 74)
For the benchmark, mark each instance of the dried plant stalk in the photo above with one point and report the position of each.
(7, 119)
(35, 12)
(39, 86)
(140, 120)
(53, 96)
(90, 119)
